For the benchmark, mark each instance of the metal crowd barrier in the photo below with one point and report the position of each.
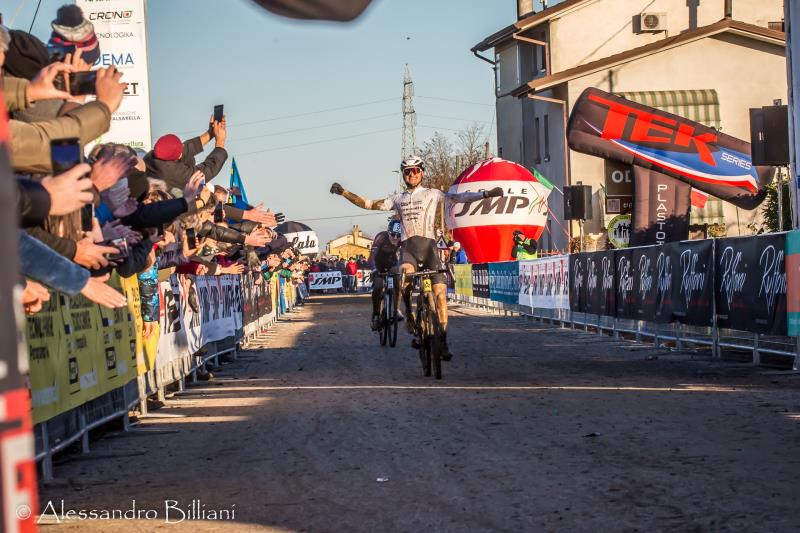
(717, 339)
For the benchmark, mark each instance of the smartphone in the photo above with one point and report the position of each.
(121, 245)
(219, 215)
(218, 113)
(65, 154)
(191, 238)
(80, 83)
(87, 214)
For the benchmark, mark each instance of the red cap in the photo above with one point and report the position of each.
(168, 148)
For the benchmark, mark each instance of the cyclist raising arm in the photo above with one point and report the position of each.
(416, 208)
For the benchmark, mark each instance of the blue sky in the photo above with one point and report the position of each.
(275, 76)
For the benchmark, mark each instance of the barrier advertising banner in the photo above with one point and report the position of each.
(173, 345)
(793, 281)
(70, 362)
(750, 285)
(691, 273)
(364, 279)
(544, 283)
(463, 279)
(672, 282)
(318, 281)
(206, 308)
(480, 280)
(121, 29)
(504, 282)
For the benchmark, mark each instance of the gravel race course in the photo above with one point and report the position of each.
(316, 427)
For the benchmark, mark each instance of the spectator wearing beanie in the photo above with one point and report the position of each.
(174, 161)
(71, 31)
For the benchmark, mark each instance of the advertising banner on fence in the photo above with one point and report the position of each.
(318, 281)
(793, 278)
(77, 353)
(206, 308)
(750, 284)
(692, 276)
(544, 283)
(364, 279)
(660, 208)
(463, 281)
(480, 280)
(504, 282)
(173, 345)
(121, 29)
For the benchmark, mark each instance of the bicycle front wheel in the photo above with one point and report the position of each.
(382, 326)
(435, 341)
(391, 318)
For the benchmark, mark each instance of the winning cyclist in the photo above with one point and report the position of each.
(383, 255)
(416, 207)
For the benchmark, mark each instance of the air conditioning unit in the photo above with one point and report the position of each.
(652, 22)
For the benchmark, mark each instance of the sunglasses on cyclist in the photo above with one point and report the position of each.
(411, 170)
(394, 235)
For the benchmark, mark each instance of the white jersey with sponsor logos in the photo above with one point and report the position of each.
(417, 209)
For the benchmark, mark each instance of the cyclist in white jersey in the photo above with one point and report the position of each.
(416, 207)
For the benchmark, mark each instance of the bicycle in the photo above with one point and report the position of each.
(428, 329)
(387, 327)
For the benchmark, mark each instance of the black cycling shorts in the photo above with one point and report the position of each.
(418, 251)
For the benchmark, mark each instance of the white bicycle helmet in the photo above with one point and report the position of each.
(412, 162)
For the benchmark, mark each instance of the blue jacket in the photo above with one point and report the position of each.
(461, 258)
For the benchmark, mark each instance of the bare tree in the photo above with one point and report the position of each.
(445, 162)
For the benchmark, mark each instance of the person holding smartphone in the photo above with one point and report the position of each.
(174, 162)
(30, 151)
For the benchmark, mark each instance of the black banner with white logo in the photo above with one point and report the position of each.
(480, 280)
(692, 276)
(577, 282)
(750, 285)
(599, 268)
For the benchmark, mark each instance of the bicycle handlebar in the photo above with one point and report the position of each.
(426, 273)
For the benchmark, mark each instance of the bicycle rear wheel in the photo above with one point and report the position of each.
(391, 318)
(383, 332)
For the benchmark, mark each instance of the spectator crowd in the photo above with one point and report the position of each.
(108, 207)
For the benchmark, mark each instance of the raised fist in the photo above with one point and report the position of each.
(337, 189)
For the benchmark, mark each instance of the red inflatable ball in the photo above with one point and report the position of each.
(485, 228)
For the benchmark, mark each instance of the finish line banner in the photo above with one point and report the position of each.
(318, 281)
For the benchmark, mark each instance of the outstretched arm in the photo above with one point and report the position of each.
(375, 205)
(464, 197)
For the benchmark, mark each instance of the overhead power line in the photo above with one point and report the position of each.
(376, 117)
(454, 100)
(316, 142)
(308, 113)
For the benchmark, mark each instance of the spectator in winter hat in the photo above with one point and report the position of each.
(173, 161)
(71, 31)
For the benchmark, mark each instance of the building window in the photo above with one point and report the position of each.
(536, 138)
(546, 139)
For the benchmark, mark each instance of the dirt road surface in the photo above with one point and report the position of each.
(533, 428)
